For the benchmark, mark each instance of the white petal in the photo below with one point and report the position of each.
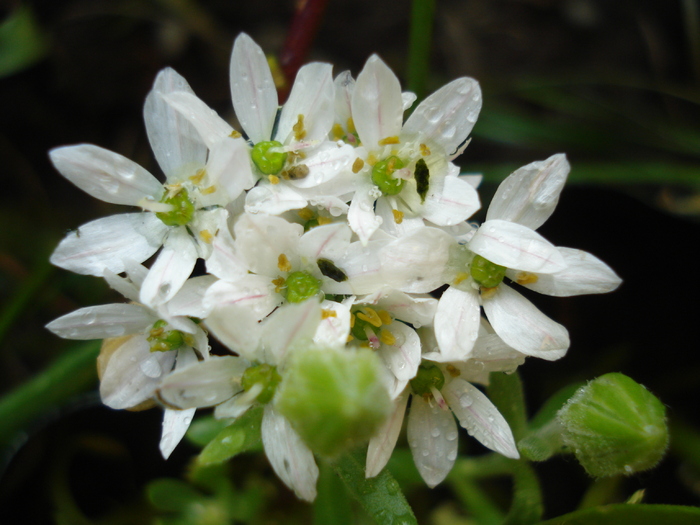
(176, 422)
(312, 96)
(133, 372)
(408, 98)
(403, 357)
(584, 274)
(290, 458)
(529, 195)
(344, 86)
(204, 384)
(254, 293)
(224, 260)
(415, 263)
(457, 324)
(189, 301)
(237, 329)
(273, 199)
(361, 215)
(100, 322)
(105, 175)
(480, 417)
(455, 202)
(329, 241)
(260, 239)
(377, 105)
(234, 407)
(229, 168)
(109, 242)
(123, 285)
(522, 326)
(432, 436)
(287, 326)
(361, 265)
(174, 141)
(414, 309)
(447, 116)
(515, 246)
(252, 89)
(210, 126)
(326, 163)
(385, 211)
(333, 329)
(382, 444)
(171, 269)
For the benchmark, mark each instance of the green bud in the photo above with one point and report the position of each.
(269, 162)
(429, 375)
(182, 212)
(383, 175)
(267, 376)
(614, 426)
(301, 286)
(334, 398)
(163, 340)
(486, 273)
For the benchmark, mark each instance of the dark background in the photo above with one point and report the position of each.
(612, 84)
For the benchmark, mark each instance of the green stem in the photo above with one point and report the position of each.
(422, 12)
(527, 505)
(71, 374)
(602, 491)
(480, 506)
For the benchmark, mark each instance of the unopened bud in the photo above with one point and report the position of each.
(614, 426)
(334, 398)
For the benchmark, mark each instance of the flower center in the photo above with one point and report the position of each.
(268, 158)
(300, 286)
(182, 208)
(163, 340)
(486, 273)
(429, 377)
(264, 375)
(366, 325)
(383, 175)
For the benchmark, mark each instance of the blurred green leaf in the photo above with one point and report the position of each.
(380, 496)
(22, 41)
(172, 495)
(241, 436)
(332, 505)
(204, 429)
(623, 514)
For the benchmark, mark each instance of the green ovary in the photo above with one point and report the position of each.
(163, 340)
(269, 162)
(486, 273)
(182, 212)
(383, 175)
(265, 375)
(301, 286)
(429, 375)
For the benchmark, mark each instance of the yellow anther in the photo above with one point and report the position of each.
(384, 316)
(283, 263)
(235, 135)
(338, 132)
(325, 314)
(173, 189)
(488, 292)
(350, 338)
(386, 337)
(371, 159)
(296, 172)
(398, 216)
(370, 315)
(324, 220)
(274, 179)
(198, 176)
(209, 190)
(206, 236)
(305, 214)
(526, 278)
(357, 165)
(352, 321)
(279, 284)
(277, 74)
(389, 140)
(298, 128)
(453, 371)
(461, 276)
(157, 332)
(351, 125)
(424, 150)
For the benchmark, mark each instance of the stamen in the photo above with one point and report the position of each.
(351, 125)
(357, 165)
(305, 214)
(453, 371)
(274, 179)
(235, 135)
(424, 150)
(206, 236)
(323, 220)
(398, 216)
(384, 316)
(526, 278)
(370, 315)
(389, 140)
(461, 276)
(488, 292)
(198, 176)
(298, 128)
(372, 338)
(338, 132)
(279, 284)
(209, 190)
(386, 337)
(325, 314)
(283, 263)
(438, 398)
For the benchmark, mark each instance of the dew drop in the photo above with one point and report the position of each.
(451, 436)
(452, 455)
(435, 432)
(425, 452)
(465, 400)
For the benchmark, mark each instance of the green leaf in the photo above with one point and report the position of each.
(380, 496)
(241, 436)
(506, 392)
(204, 429)
(623, 514)
(332, 505)
(171, 494)
(22, 42)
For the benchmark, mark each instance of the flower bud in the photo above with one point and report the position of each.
(614, 426)
(334, 398)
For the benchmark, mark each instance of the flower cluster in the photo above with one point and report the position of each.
(329, 223)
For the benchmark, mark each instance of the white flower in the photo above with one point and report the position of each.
(181, 222)
(408, 164)
(236, 383)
